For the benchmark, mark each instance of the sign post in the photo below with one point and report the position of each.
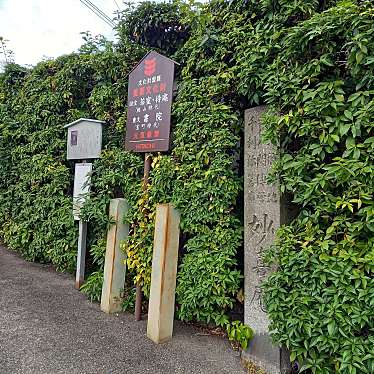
(81, 255)
(139, 295)
(83, 143)
(150, 94)
(81, 190)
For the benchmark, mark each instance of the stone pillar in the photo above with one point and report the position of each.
(115, 258)
(263, 214)
(164, 272)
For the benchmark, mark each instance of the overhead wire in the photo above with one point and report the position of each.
(98, 12)
(117, 4)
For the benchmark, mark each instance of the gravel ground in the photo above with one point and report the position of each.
(46, 326)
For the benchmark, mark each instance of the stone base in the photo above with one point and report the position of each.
(275, 360)
(250, 366)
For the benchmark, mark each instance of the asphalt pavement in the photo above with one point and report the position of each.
(48, 327)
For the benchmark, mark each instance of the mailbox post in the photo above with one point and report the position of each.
(83, 143)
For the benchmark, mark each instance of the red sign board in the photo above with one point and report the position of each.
(149, 104)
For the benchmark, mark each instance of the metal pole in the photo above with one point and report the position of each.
(139, 294)
(81, 257)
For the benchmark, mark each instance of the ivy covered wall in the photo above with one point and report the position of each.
(312, 62)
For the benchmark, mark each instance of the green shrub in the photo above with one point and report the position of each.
(93, 285)
(320, 300)
(239, 332)
(312, 63)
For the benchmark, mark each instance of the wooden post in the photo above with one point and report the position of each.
(81, 256)
(115, 258)
(164, 272)
(139, 294)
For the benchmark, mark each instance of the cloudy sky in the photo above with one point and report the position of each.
(49, 28)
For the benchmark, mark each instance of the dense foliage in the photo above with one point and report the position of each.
(322, 296)
(196, 176)
(36, 180)
(154, 25)
(312, 62)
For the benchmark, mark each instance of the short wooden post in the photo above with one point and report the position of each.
(164, 272)
(81, 256)
(115, 258)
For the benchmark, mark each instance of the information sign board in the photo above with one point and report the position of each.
(81, 187)
(150, 94)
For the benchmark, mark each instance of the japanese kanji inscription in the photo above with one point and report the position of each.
(150, 96)
(263, 214)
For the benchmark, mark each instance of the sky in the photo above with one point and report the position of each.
(38, 29)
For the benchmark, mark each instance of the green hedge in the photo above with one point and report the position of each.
(312, 63)
(321, 298)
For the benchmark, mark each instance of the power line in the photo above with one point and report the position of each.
(117, 4)
(98, 12)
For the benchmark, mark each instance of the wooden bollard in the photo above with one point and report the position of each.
(115, 258)
(164, 272)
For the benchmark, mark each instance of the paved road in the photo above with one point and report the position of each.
(48, 327)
